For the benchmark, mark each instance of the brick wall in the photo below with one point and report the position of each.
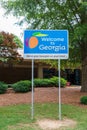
(14, 74)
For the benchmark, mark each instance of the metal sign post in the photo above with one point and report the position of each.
(59, 84)
(32, 107)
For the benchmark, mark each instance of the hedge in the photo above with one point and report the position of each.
(42, 83)
(49, 82)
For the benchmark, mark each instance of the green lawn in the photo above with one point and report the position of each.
(18, 117)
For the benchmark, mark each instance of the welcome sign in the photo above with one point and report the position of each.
(46, 44)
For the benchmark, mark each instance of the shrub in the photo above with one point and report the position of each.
(42, 83)
(49, 82)
(3, 87)
(22, 86)
(83, 100)
(55, 81)
(63, 82)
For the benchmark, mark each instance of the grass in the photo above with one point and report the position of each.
(18, 117)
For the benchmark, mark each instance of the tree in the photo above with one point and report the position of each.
(18, 41)
(8, 49)
(57, 14)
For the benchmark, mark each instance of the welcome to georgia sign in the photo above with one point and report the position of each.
(46, 44)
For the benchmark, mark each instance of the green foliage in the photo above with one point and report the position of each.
(18, 41)
(42, 83)
(3, 87)
(49, 14)
(83, 100)
(22, 86)
(49, 82)
(55, 81)
(1, 38)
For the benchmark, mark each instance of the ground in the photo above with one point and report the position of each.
(69, 95)
(47, 124)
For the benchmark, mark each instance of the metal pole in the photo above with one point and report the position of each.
(59, 84)
(32, 107)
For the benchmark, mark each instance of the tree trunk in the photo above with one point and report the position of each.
(84, 67)
(84, 76)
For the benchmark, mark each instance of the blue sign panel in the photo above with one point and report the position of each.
(46, 44)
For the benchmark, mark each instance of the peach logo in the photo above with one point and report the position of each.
(32, 42)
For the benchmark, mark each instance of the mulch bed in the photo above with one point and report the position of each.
(69, 95)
